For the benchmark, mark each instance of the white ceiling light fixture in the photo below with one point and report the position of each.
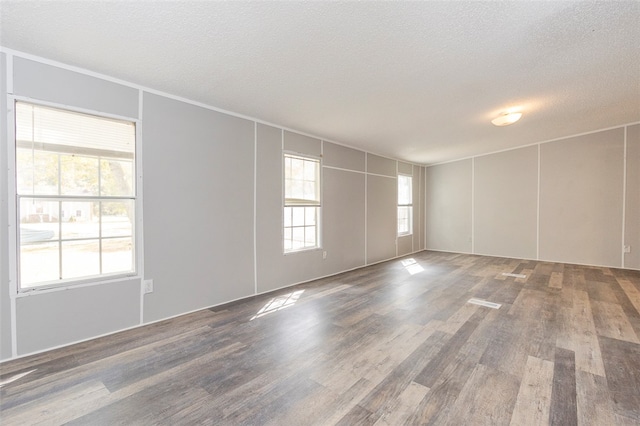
(506, 118)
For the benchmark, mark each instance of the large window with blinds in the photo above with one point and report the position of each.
(405, 205)
(75, 196)
(301, 203)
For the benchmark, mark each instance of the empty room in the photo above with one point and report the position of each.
(319, 213)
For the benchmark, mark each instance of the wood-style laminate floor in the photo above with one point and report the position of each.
(389, 344)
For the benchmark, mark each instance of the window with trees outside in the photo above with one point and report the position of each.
(301, 202)
(405, 205)
(75, 187)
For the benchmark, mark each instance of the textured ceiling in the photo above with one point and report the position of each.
(418, 81)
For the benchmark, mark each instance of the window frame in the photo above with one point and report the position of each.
(318, 206)
(13, 207)
(404, 205)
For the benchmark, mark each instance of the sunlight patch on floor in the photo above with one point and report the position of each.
(278, 303)
(412, 266)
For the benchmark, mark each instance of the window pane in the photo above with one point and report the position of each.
(297, 189)
(117, 218)
(79, 175)
(310, 236)
(36, 172)
(310, 215)
(117, 255)
(287, 167)
(39, 262)
(288, 190)
(405, 220)
(297, 169)
(298, 216)
(288, 245)
(80, 219)
(287, 216)
(310, 170)
(310, 191)
(38, 220)
(116, 177)
(298, 238)
(404, 189)
(80, 258)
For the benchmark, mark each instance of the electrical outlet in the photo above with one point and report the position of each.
(148, 286)
(324, 254)
(627, 249)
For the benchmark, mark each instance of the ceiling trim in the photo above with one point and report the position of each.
(604, 129)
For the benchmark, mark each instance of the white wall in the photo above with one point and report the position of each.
(560, 201)
(211, 185)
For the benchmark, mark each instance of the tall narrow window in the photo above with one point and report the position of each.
(301, 202)
(405, 205)
(75, 186)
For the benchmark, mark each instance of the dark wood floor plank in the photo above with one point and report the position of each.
(429, 374)
(622, 365)
(563, 394)
(594, 405)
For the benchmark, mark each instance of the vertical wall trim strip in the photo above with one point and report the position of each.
(366, 205)
(424, 242)
(538, 209)
(282, 174)
(320, 229)
(139, 232)
(11, 207)
(255, 207)
(397, 208)
(624, 195)
(473, 204)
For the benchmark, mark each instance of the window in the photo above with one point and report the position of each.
(405, 205)
(301, 202)
(75, 187)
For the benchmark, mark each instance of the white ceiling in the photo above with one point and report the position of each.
(419, 81)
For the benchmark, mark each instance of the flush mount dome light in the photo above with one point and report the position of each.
(506, 118)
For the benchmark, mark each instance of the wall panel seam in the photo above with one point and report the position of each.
(624, 197)
(538, 208)
(255, 207)
(139, 233)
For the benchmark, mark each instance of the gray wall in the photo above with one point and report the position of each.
(211, 212)
(576, 217)
(59, 317)
(381, 217)
(632, 210)
(581, 199)
(448, 207)
(505, 218)
(198, 170)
